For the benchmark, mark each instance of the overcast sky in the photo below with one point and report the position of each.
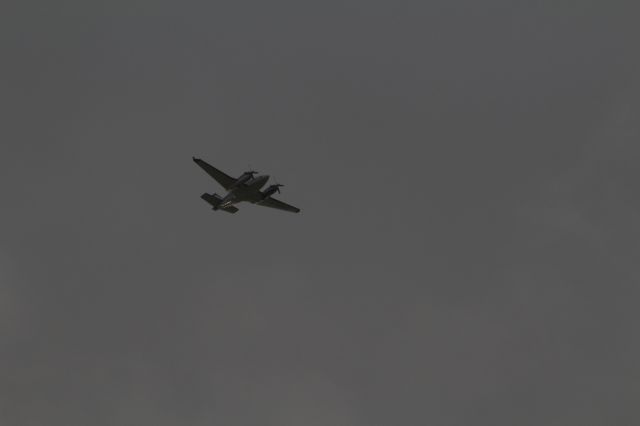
(467, 251)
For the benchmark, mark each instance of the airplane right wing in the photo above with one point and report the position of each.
(222, 178)
(276, 204)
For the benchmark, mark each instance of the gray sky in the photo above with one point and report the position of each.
(468, 248)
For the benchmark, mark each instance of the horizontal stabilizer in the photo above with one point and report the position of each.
(215, 201)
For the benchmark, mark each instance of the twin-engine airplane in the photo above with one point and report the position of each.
(245, 188)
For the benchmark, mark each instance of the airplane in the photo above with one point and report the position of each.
(245, 188)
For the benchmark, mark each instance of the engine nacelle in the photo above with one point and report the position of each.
(246, 176)
(271, 190)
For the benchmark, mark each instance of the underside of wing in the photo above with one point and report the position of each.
(277, 204)
(222, 178)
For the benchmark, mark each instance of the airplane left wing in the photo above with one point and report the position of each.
(276, 204)
(222, 178)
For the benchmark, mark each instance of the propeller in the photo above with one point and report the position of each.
(271, 190)
(250, 172)
(276, 185)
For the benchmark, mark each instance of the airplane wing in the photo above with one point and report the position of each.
(276, 204)
(222, 178)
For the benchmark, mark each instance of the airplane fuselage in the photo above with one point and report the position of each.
(249, 191)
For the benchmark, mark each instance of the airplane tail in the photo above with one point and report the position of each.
(215, 200)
